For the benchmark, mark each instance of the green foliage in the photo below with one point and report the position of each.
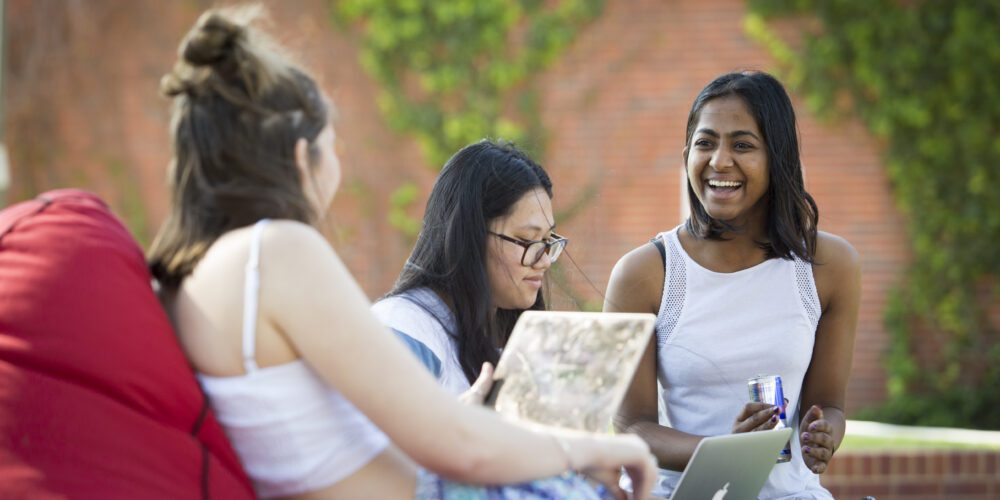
(445, 67)
(449, 70)
(922, 75)
(399, 201)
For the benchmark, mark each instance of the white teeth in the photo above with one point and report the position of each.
(728, 184)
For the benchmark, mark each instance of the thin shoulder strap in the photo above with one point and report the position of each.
(251, 294)
(658, 242)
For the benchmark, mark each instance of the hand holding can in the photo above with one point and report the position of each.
(767, 389)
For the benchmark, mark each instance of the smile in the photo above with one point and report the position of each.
(717, 184)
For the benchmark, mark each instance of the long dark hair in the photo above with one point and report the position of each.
(239, 109)
(479, 183)
(792, 215)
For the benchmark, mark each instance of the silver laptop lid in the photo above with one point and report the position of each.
(569, 369)
(731, 467)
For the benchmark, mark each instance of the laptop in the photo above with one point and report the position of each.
(731, 467)
(569, 369)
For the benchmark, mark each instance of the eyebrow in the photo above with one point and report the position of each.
(735, 133)
(534, 227)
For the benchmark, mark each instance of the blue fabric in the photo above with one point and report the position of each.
(422, 352)
(569, 486)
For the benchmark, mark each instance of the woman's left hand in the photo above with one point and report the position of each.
(816, 439)
(477, 393)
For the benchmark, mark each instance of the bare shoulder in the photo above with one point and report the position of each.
(639, 262)
(295, 257)
(290, 234)
(636, 283)
(837, 267)
(836, 252)
(278, 236)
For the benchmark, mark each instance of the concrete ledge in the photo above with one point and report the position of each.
(938, 434)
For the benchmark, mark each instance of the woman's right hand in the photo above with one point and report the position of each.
(604, 456)
(756, 417)
(642, 470)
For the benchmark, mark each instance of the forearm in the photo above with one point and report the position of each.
(483, 448)
(672, 448)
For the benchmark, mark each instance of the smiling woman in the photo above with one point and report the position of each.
(746, 286)
(480, 260)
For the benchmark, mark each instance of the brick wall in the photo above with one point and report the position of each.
(82, 109)
(616, 107)
(915, 475)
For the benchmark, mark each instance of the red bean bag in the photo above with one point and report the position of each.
(96, 397)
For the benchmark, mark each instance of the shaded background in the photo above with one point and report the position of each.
(81, 109)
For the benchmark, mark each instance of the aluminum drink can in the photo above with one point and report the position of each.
(767, 389)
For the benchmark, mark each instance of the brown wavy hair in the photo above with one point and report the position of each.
(239, 107)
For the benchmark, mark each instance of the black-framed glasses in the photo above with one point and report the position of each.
(533, 250)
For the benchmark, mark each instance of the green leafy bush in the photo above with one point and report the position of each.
(450, 70)
(922, 75)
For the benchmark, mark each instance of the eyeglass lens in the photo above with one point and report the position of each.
(536, 250)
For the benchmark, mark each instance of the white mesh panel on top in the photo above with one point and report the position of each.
(674, 293)
(807, 291)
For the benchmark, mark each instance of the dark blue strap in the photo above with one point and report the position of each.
(422, 352)
(658, 243)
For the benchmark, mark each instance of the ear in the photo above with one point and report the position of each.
(302, 157)
(684, 154)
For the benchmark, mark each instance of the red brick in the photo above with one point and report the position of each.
(991, 463)
(937, 466)
(971, 487)
(885, 464)
(954, 463)
(860, 490)
(920, 464)
(971, 464)
(902, 465)
(909, 488)
(837, 467)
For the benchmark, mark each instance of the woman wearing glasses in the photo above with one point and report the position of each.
(480, 260)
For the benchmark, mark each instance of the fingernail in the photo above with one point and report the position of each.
(812, 427)
(805, 449)
(774, 419)
(775, 410)
(805, 436)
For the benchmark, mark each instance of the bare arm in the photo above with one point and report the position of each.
(636, 285)
(838, 283)
(309, 296)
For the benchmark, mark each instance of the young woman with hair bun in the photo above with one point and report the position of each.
(317, 397)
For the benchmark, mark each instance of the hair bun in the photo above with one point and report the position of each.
(172, 85)
(212, 41)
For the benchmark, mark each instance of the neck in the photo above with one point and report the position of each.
(749, 232)
(752, 225)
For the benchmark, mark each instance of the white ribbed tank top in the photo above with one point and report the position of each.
(716, 330)
(292, 432)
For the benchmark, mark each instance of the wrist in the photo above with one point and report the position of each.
(563, 445)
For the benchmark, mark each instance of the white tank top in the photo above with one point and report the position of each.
(716, 330)
(292, 432)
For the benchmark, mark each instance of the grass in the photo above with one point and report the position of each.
(868, 443)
